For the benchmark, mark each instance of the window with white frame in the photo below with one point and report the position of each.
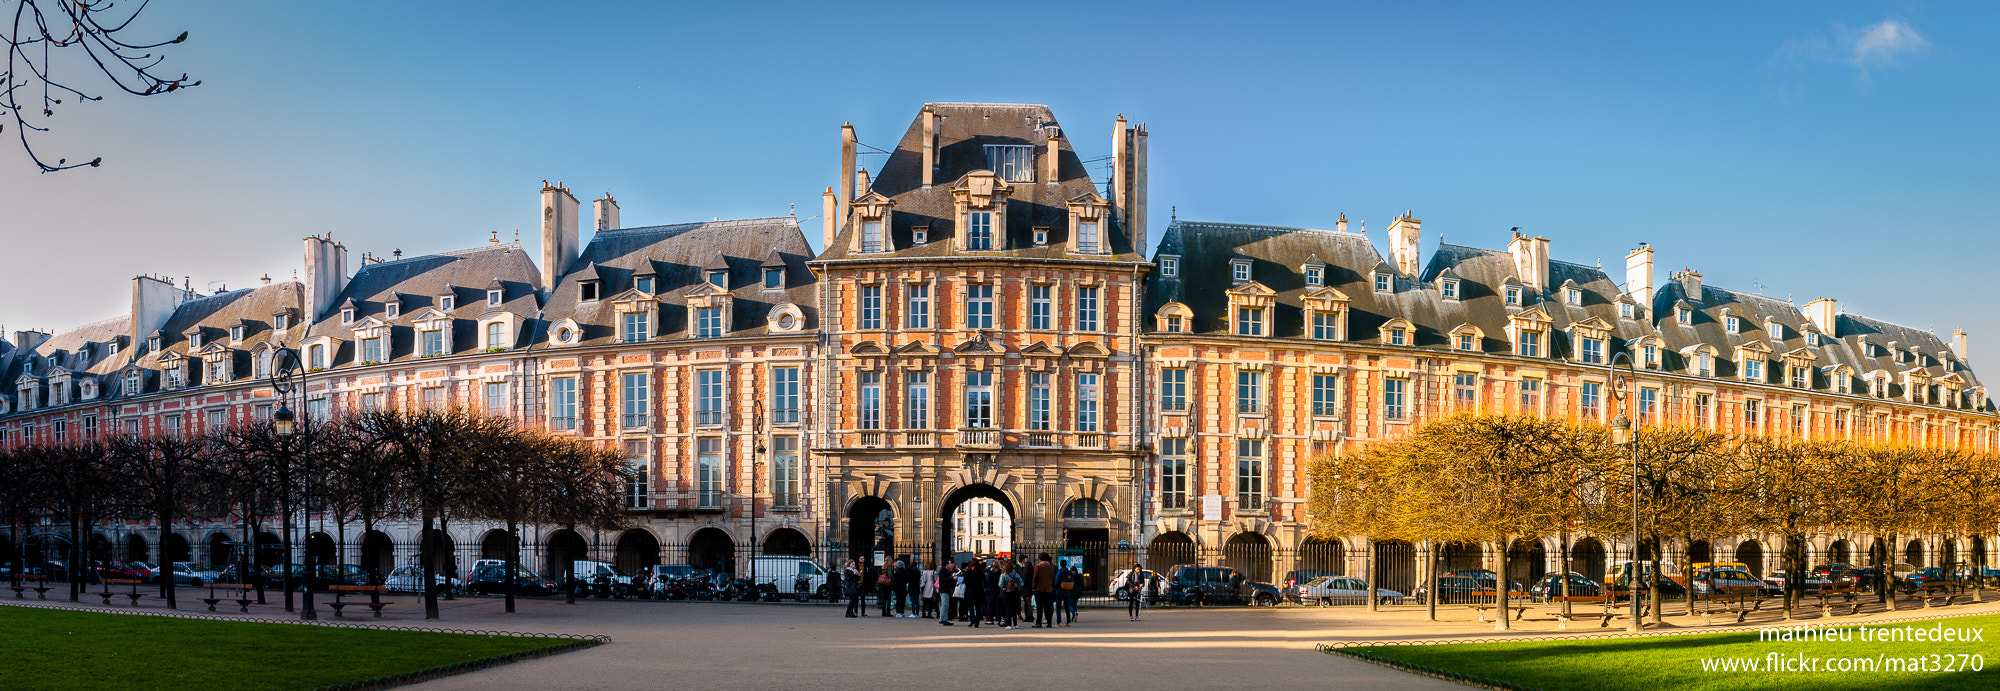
(1326, 395)
(1086, 402)
(431, 397)
(1249, 392)
(1531, 344)
(1590, 399)
(1649, 355)
(708, 397)
(1250, 474)
(1173, 324)
(1801, 377)
(1753, 368)
(1513, 296)
(1592, 350)
(496, 335)
(1465, 390)
(1173, 473)
(1531, 396)
(1173, 389)
(979, 230)
(1753, 414)
(636, 405)
(495, 296)
(979, 400)
(1466, 341)
(1086, 308)
(1325, 326)
(433, 342)
(1703, 403)
(1799, 421)
(1683, 315)
(371, 350)
(1039, 401)
(1732, 324)
(869, 407)
(871, 235)
(1170, 267)
(1249, 321)
(1315, 275)
(1086, 237)
(1704, 364)
(1399, 336)
(917, 400)
(392, 310)
(708, 472)
(1649, 399)
(871, 307)
(1013, 163)
(917, 306)
(1449, 288)
(1383, 283)
(719, 278)
(1573, 296)
(236, 332)
(708, 322)
(1627, 310)
(496, 398)
(979, 306)
(637, 489)
(562, 403)
(785, 471)
(371, 402)
(1239, 271)
(1840, 423)
(634, 328)
(784, 395)
(1040, 306)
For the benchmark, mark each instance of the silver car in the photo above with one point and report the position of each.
(1331, 590)
(193, 573)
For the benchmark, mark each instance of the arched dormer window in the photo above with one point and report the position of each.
(1467, 337)
(1700, 359)
(1174, 317)
(1399, 332)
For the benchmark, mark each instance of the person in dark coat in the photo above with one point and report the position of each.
(947, 579)
(1045, 587)
(872, 583)
(915, 592)
(899, 584)
(974, 607)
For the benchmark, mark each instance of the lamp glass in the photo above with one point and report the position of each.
(282, 421)
(1621, 431)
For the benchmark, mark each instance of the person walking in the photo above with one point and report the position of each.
(1010, 584)
(851, 574)
(1134, 584)
(946, 581)
(915, 592)
(1069, 583)
(1027, 596)
(927, 591)
(1045, 587)
(974, 578)
(899, 583)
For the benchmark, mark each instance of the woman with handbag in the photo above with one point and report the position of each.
(851, 577)
(885, 586)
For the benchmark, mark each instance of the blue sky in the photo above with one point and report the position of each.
(1815, 149)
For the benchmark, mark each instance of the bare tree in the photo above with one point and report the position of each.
(163, 476)
(82, 34)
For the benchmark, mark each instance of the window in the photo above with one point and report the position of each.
(1590, 398)
(1250, 392)
(1174, 324)
(1573, 296)
(1173, 389)
(785, 471)
(279, 322)
(979, 230)
(708, 472)
(719, 278)
(708, 322)
(1039, 307)
(1239, 271)
(1382, 284)
(61, 427)
(392, 310)
(587, 291)
(1649, 355)
(496, 296)
(1326, 395)
(708, 397)
(236, 332)
(1753, 370)
(1705, 365)
(920, 234)
(174, 426)
(1531, 344)
(871, 307)
(496, 335)
(917, 310)
(1733, 324)
(979, 306)
(979, 400)
(1702, 404)
(634, 329)
(218, 372)
(917, 400)
(1465, 390)
(871, 236)
(1325, 325)
(1627, 310)
(1249, 321)
(1399, 337)
(433, 342)
(1466, 342)
(1086, 403)
(636, 490)
(1531, 396)
(1038, 401)
(1513, 296)
(1450, 289)
(1842, 383)
(1170, 267)
(316, 409)
(153, 342)
(1840, 424)
(1086, 309)
(869, 410)
(431, 397)
(1086, 237)
(1800, 378)
(1753, 414)
(1799, 421)
(496, 398)
(774, 278)
(637, 404)
(1250, 473)
(1683, 315)
(1593, 350)
(784, 395)
(1012, 163)
(1648, 400)
(371, 350)
(562, 403)
(90, 424)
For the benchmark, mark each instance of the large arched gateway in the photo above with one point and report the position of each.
(948, 509)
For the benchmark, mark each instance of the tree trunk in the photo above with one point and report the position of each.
(285, 565)
(166, 569)
(1564, 546)
(425, 549)
(1659, 602)
(1501, 589)
(76, 563)
(1367, 565)
(1431, 578)
(513, 564)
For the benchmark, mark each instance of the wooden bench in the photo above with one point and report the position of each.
(1826, 596)
(374, 598)
(133, 597)
(241, 590)
(1738, 597)
(1933, 592)
(1604, 617)
(41, 589)
(1489, 604)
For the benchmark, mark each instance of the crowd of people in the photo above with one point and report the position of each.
(985, 591)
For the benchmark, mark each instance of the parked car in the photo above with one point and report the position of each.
(274, 579)
(1710, 579)
(1341, 590)
(1151, 585)
(1551, 586)
(1814, 582)
(1297, 577)
(409, 578)
(192, 573)
(1934, 575)
(1831, 571)
(118, 570)
(1217, 585)
(492, 580)
(1455, 590)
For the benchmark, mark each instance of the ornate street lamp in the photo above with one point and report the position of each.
(288, 374)
(1622, 435)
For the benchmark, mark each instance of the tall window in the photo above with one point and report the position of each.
(636, 490)
(1323, 326)
(431, 397)
(917, 400)
(636, 402)
(1531, 396)
(784, 395)
(1702, 403)
(1250, 392)
(1086, 237)
(315, 410)
(1012, 163)
(1840, 424)
(562, 403)
(1038, 401)
(1799, 377)
(708, 322)
(433, 342)
(1086, 403)
(495, 331)
(785, 471)
(1531, 344)
(1590, 398)
(1086, 309)
(315, 357)
(1173, 473)
(1650, 356)
(979, 230)
(1753, 370)
(174, 427)
(496, 398)
(979, 400)
(634, 329)
(1249, 321)
(1753, 414)
(871, 307)
(871, 236)
(979, 306)
(708, 472)
(371, 402)
(917, 311)
(1465, 390)
(1648, 400)
(870, 410)
(1799, 421)
(1250, 474)
(1705, 365)
(708, 397)
(1173, 389)
(1326, 395)
(1593, 350)
(1039, 307)
(371, 350)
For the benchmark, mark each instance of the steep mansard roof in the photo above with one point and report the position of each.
(418, 283)
(963, 132)
(678, 256)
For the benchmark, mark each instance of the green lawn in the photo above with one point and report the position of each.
(57, 649)
(1676, 662)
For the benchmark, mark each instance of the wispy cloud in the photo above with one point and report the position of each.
(1890, 43)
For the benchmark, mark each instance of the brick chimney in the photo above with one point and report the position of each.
(559, 231)
(1639, 275)
(861, 183)
(1052, 159)
(1958, 345)
(1690, 281)
(1821, 313)
(607, 213)
(1404, 234)
(846, 187)
(829, 218)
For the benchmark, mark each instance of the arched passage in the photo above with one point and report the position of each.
(135, 548)
(1700, 551)
(7, 553)
(1978, 551)
(787, 542)
(1751, 553)
(1527, 562)
(219, 550)
(637, 549)
(1587, 557)
(1913, 554)
(993, 526)
(175, 550)
(1168, 550)
(443, 553)
(1396, 565)
(1948, 553)
(1324, 555)
(1249, 553)
(270, 550)
(864, 536)
(563, 547)
(1839, 552)
(1460, 556)
(100, 547)
(321, 550)
(494, 544)
(1878, 552)
(378, 553)
(712, 549)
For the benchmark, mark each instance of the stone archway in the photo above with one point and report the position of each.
(1249, 553)
(1527, 562)
(494, 544)
(1587, 557)
(1913, 554)
(637, 550)
(712, 549)
(1947, 552)
(219, 550)
(1977, 555)
(1396, 566)
(1008, 524)
(1325, 556)
(1751, 554)
(1700, 551)
(1840, 552)
(378, 553)
(271, 551)
(864, 536)
(1463, 556)
(787, 542)
(176, 549)
(1168, 550)
(322, 550)
(561, 549)
(135, 548)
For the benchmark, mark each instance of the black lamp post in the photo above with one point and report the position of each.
(288, 375)
(1622, 435)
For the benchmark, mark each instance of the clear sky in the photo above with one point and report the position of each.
(1838, 149)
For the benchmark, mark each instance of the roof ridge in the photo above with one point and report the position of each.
(695, 225)
(1265, 228)
(973, 104)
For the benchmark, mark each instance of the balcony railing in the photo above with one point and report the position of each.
(1041, 439)
(1090, 440)
(916, 439)
(979, 437)
(871, 438)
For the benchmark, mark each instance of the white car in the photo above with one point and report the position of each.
(409, 578)
(1333, 590)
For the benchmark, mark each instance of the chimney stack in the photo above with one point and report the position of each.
(1404, 234)
(1138, 182)
(828, 215)
(1052, 160)
(559, 231)
(846, 186)
(1639, 276)
(607, 213)
(326, 276)
(1690, 281)
(1340, 226)
(861, 184)
(1958, 345)
(930, 146)
(1531, 261)
(1821, 313)
(1119, 156)
(27, 341)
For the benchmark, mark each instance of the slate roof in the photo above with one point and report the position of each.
(963, 132)
(420, 281)
(214, 315)
(84, 351)
(679, 257)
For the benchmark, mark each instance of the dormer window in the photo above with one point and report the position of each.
(1591, 350)
(643, 284)
(635, 327)
(1683, 315)
(719, 279)
(393, 310)
(920, 235)
(1466, 341)
(236, 332)
(316, 357)
(1012, 163)
(495, 297)
(979, 230)
(1239, 271)
(194, 340)
(1514, 296)
(1573, 296)
(1087, 240)
(1173, 324)
(871, 235)
(1249, 321)
(1041, 236)
(774, 279)
(347, 316)
(1449, 289)
(1753, 369)
(1732, 325)
(1628, 310)
(278, 321)
(153, 344)
(1649, 356)
(1812, 339)
(1315, 275)
(587, 291)
(1776, 330)
(447, 303)
(708, 322)
(1531, 344)
(1170, 267)
(1399, 336)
